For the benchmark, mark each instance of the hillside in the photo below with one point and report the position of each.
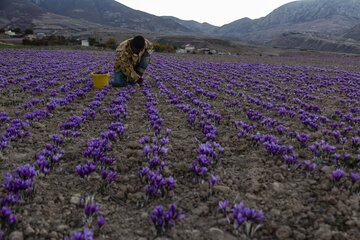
(327, 25)
(324, 16)
(110, 13)
(18, 12)
(353, 33)
(318, 24)
(203, 28)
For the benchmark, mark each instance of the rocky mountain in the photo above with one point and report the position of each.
(82, 15)
(110, 13)
(353, 33)
(18, 12)
(203, 28)
(322, 16)
(310, 24)
(327, 25)
(307, 24)
(306, 41)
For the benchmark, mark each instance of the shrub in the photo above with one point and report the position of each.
(158, 47)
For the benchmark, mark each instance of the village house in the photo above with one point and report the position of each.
(189, 48)
(10, 33)
(30, 37)
(85, 43)
(180, 50)
(203, 50)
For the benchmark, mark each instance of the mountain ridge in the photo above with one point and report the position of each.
(328, 20)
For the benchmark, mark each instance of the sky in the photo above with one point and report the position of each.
(214, 12)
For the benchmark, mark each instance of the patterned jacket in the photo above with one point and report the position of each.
(126, 59)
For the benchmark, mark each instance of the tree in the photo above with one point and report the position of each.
(92, 41)
(17, 30)
(29, 31)
(111, 43)
(158, 47)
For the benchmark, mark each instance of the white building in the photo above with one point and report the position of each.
(85, 43)
(189, 48)
(40, 35)
(10, 33)
(30, 37)
(180, 50)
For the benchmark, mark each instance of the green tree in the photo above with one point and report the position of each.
(111, 43)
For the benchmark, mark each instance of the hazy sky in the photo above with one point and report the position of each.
(216, 12)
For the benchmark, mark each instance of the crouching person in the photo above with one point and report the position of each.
(132, 59)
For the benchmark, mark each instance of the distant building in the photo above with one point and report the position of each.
(203, 50)
(40, 35)
(189, 48)
(10, 33)
(85, 43)
(180, 50)
(30, 37)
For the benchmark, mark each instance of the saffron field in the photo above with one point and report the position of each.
(208, 148)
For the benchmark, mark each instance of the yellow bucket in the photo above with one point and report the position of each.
(100, 80)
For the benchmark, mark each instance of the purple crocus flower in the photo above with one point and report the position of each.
(163, 150)
(107, 161)
(290, 159)
(241, 213)
(109, 135)
(109, 176)
(144, 139)
(213, 180)
(70, 133)
(355, 141)
(91, 208)
(26, 171)
(157, 216)
(310, 166)
(87, 234)
(56, 139)
(12, 219)
(355, 177)
(101, 220)
(253, 215)
(173, 215)
(302, 137)
(223, 205)
(170, 181)
(337, 174)
(238, 214)
(164, 141)
(144, 171)
(155, 161)
(7, 214)
(337, 156)
(163, 220)
(347, 156)
(117, 127)
(86, 169)
(147, 150)
(3, 142)
(167, 132)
